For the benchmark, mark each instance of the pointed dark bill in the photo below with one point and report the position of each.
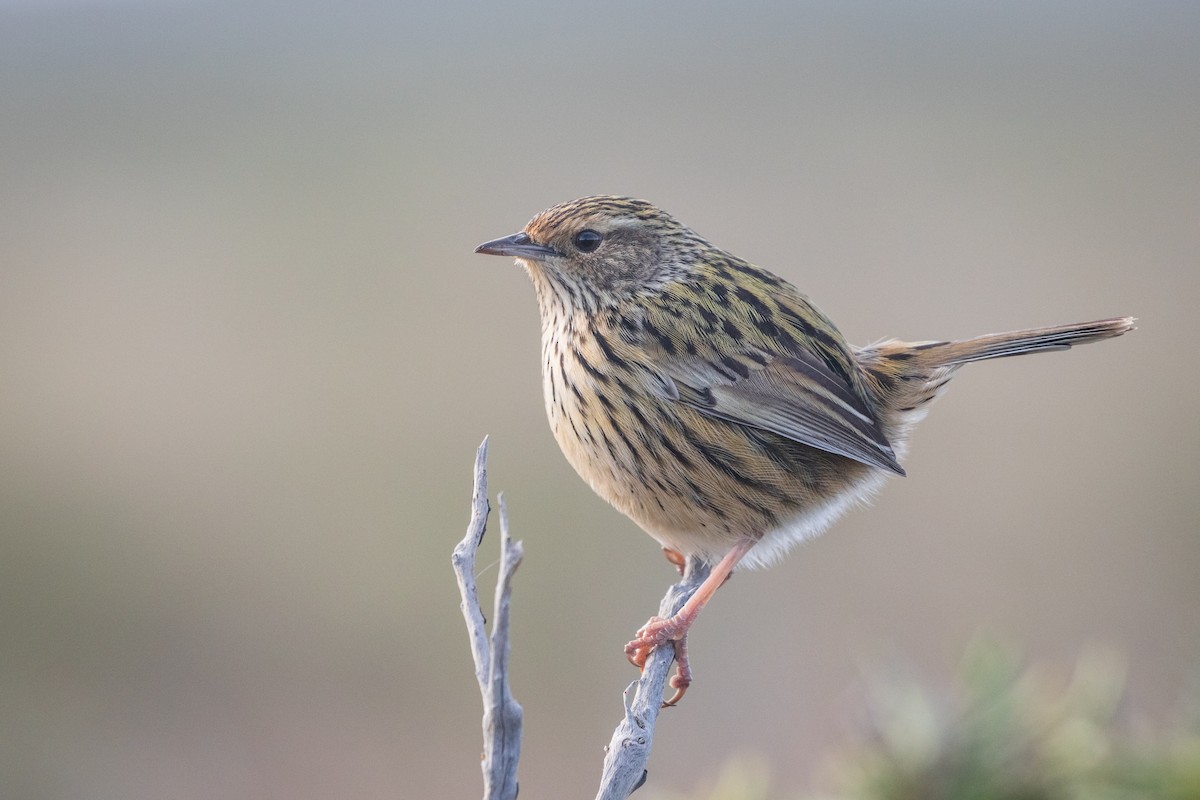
(519, 245)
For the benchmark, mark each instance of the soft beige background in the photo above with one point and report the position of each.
(247, 354)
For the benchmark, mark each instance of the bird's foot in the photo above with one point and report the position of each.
(682, 678)
(657, 631)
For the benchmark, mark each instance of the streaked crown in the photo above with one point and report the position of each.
(606, 248)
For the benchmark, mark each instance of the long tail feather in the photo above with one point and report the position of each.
(1015, 343)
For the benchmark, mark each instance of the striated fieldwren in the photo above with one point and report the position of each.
(710, 401)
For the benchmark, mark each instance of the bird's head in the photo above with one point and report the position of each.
(597, 251)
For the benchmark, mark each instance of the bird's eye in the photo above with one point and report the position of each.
(587, 240)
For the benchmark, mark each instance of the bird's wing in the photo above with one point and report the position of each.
(795, 395)
(751, 350)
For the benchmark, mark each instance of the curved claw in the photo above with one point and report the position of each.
(680, 691)
(682, 678)
(637, 653)
(655, 632)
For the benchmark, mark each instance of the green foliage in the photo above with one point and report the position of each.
(1006, 733)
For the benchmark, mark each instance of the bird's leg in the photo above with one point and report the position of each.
(682, 678)
(674, 629)
(676, 558)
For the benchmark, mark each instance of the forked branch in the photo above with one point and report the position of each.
(502, 715)
(629, 749)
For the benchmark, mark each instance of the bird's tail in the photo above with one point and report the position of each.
(1015, 343)
(906, 376)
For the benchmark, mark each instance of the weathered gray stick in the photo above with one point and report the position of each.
(502, 714)
(629, 749)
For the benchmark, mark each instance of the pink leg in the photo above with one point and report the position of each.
(676, 558)
(675, 629)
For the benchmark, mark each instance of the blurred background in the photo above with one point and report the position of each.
(248, 354)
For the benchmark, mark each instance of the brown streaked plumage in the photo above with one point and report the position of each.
(709, 400)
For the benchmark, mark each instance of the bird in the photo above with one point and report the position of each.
(710, 401)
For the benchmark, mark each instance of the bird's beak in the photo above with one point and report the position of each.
(519, 245)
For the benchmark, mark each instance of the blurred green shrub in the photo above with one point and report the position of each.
(1005, 733)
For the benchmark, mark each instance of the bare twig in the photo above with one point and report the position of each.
(502, 714)
(629, 749)
(464, 568)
